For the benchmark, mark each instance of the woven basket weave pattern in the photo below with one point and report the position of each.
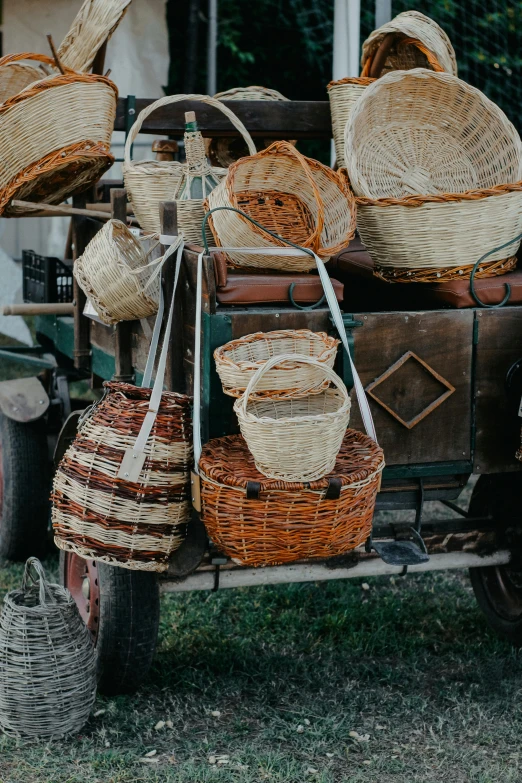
(238, 360)
(289, 521)
(94, 24)
(100, 516)
(47, 662)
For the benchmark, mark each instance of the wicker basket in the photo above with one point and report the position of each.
(412, 116)
(294, 439)
(296, 197)
(223, 151)
(150, 182)
(48, 671)
(239, 360)
(58, 133)
(258, 521)
(115, 275)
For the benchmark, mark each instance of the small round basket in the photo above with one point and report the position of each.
(298, 198)
(259, 521)
(115, 275)
(294, 439)
(48, 671)
(239, 360)
(436, 167)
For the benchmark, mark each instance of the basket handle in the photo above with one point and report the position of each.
(290, 358)
(42, 58)
(29, 579)
(167, 100)
(374, 64)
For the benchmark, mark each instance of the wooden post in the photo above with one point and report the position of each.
(123, 331)
(80, 239)
(99, 61)
(174, 378)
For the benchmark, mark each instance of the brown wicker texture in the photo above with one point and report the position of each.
(150, 182)
(58, 133)
(99, 516)
(239, 360)
(441, 275)
(223, 151)
(296, 197)
(47, 660)
(15, 77)
(410, 24)
(116, 275)
(288, 521)
(294, 439)
(424, 133)
(94, 24)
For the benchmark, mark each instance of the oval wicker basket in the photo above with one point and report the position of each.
(239, 360)
(296, 197)
(139, 524)
(259, 521)
(48, 671)
(426, 133)
(115, 275)
(222, 150)
(150, 182)
(58, 132)
(294, 439)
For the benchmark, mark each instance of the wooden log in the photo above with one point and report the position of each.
(56, 308)
(61, 210)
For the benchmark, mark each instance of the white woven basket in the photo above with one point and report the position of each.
(93, 25)
(150, 182)
(294, 439)
(238, 360)
(116, 275)
(420, 132)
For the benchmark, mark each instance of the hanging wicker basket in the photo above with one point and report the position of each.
(58, 133)
(48, 671)
(433, 196)
(259, 521)
(116, 275)
(294, 439)
(296, 197)
(150, 182)
(239, 360)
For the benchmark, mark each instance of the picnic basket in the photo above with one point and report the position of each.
(436, 169)
(116, 276)
(298, 198)
(259, 521)
(150, 182)
(121, 491)
(58, 133)
(238, 360)
(48, 671)
(294, 439)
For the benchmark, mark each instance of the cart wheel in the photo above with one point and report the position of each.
(24, 488)
(498, 589)
(121, 609)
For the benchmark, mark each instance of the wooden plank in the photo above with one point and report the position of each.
(83, 230)
(174, 380)
(443, 340)
(497, 429)
(123, 332)
(267, 119)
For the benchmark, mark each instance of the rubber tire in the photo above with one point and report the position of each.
(24, 512)
(128, 626)
(499, 494)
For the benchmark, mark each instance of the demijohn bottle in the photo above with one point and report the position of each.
(199, 178)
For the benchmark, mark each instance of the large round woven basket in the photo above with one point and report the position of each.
(222, 150)
(298, 198)
(259, 521)
(58, 133)
(294, 439)
(150, 182)
(436, 167)
(115, 274)
(239, 360)
(48, 665)
(132, 524)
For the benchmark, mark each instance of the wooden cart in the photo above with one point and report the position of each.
(444, 388)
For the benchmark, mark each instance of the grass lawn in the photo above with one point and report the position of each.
(390, 680)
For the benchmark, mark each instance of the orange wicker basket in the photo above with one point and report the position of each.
(259, 521)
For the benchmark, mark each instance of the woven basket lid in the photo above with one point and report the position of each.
(228, 461)
(413, 24)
